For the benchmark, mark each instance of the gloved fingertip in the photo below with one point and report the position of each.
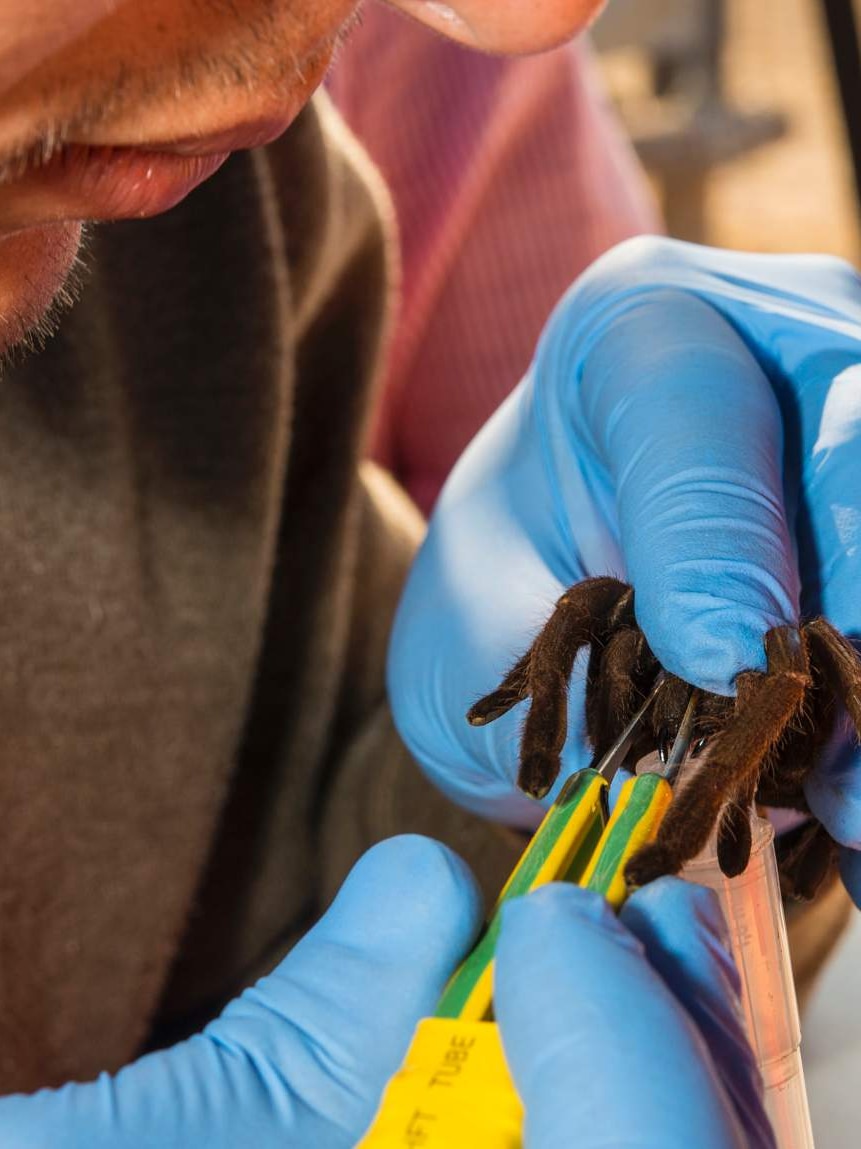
(407, 889)
(573, 991)
(681, 906)
(533, 921)
(684, 922)
(683, 931)
(709, 639)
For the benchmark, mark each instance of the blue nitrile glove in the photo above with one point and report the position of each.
(607, 1049)
(300, 1060)
(692, 423)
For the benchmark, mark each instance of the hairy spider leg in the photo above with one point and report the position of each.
(766, 704)
(581, 617)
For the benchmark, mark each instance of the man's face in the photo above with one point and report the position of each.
(112, 109)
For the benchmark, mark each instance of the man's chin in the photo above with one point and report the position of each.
(37, 267)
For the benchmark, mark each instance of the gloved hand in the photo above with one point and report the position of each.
(608, 1049)
(691, 423)
(300, 1060)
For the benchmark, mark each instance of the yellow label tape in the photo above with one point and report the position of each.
(453, 1091)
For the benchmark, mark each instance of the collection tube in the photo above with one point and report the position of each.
(753, 910)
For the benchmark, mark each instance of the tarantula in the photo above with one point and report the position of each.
(759, 746)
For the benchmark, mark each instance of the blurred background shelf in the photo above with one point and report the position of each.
(735, 108)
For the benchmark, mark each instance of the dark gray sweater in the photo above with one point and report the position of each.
(196, 584)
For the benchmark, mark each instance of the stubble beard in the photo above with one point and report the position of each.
(42, 272)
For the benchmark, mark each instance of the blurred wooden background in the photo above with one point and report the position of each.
(793, 194)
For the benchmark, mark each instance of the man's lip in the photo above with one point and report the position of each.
(127, 180)
(100, 183)
(238, 137)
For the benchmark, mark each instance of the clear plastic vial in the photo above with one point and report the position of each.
(754, 913)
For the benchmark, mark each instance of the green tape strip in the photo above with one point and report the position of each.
(577, 790)
(645, 790)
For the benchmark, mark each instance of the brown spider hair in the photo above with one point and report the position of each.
(760, 745)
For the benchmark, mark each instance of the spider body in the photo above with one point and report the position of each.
(760, 745)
